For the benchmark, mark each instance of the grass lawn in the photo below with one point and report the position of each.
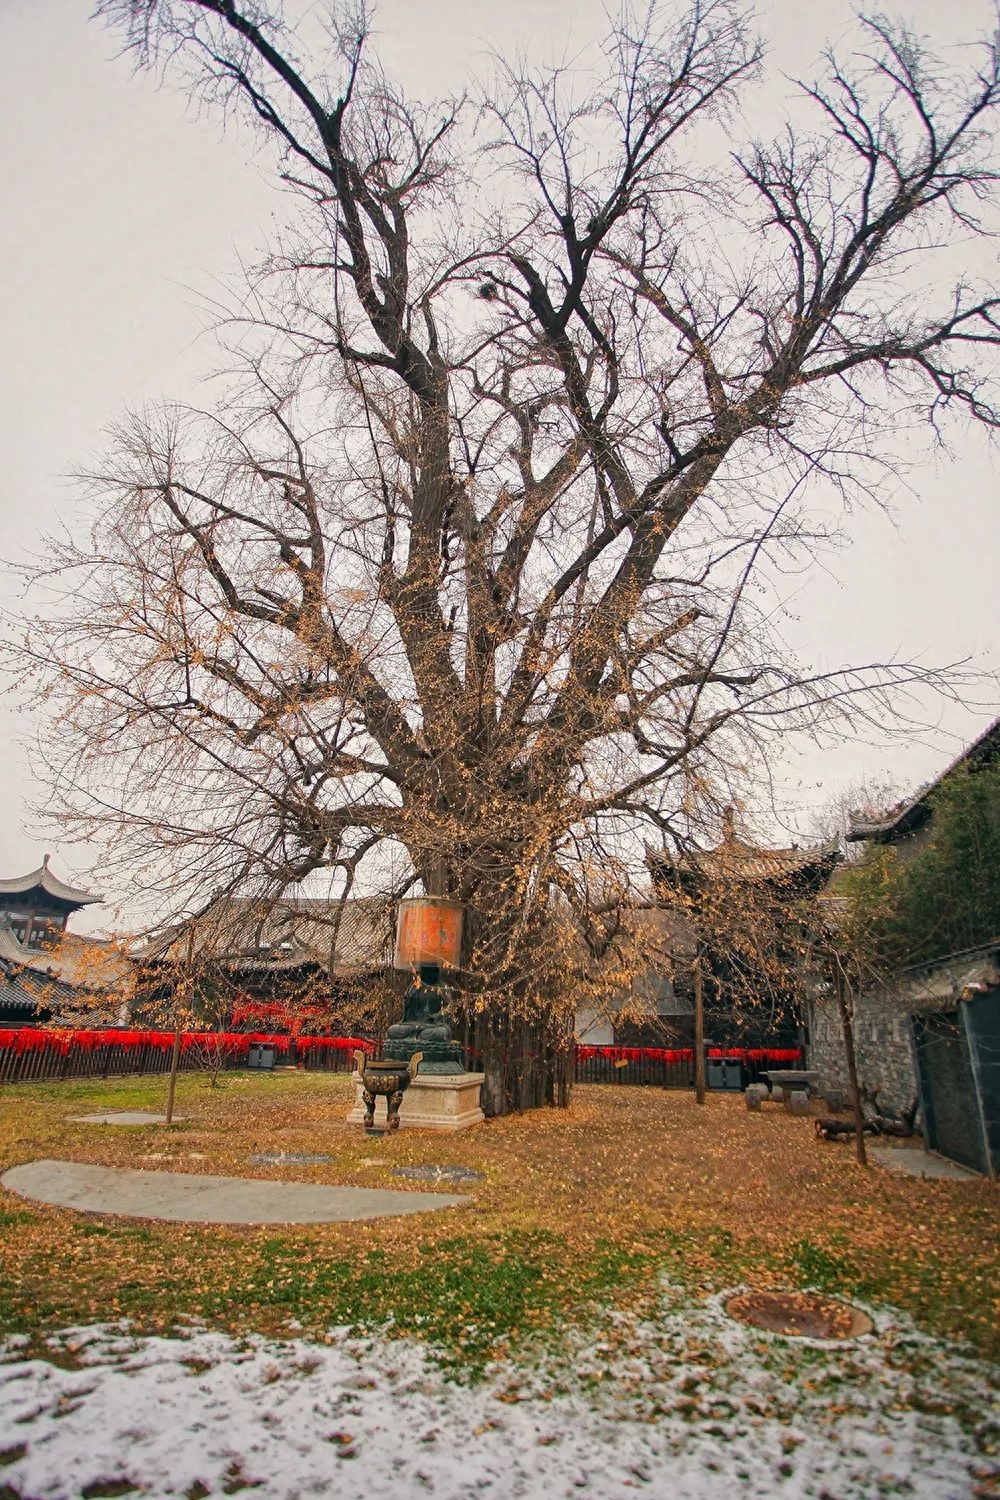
(592, 1205)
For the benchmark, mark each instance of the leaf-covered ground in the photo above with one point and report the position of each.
(594, 1206)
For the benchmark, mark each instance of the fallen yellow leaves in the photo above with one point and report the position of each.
(599, 1200)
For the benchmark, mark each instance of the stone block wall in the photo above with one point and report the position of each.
(883, 1024)
(883, 1042)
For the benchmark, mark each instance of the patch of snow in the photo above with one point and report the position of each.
(693, 1404)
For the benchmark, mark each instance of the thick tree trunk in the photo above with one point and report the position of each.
(524, 1060)
(493, 1063)
(527, 1059)
(514, 1033)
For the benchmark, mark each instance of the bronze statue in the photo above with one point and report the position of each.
(425, 1027)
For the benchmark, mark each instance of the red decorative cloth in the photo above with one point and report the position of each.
(234, 1043)
(686, 1054)
(238, 1043)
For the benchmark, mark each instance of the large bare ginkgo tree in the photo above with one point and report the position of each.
(473, 579)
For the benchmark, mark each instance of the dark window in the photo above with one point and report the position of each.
(44, 934)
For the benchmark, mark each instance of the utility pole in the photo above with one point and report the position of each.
(847, 1023)
(699, 1034)
(175, 1056)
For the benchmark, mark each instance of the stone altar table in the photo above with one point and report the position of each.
(432, 1102)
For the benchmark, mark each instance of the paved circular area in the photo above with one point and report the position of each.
(799, 1315)
(195, 1199)
(125, 1117)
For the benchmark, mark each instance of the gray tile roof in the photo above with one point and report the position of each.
(75, 963)
(340, 937)
(907, 816)
(736, 860)
(14, 995)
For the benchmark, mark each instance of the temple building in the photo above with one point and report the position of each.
(930, 1031)
(741, 904)
(739, 908)
(280, 966)
(44, 969)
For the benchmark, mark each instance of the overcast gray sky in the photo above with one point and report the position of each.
(122, 210)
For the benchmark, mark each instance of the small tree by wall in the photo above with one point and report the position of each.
(944, 899)
(895, 908)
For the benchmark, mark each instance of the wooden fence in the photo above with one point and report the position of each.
(673, 1068)
(33, 1054)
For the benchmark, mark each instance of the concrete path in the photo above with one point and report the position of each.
(189, 1199)
(914, 1161)
(125, 1117)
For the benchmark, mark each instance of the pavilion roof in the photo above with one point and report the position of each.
(737, 859)
(44, 880)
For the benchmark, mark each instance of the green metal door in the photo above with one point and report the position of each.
(948, 1089)
(982, 1026)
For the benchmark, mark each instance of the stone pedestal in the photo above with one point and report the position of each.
(432, 1102)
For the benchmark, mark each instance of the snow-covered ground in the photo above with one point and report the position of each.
(693, 1406)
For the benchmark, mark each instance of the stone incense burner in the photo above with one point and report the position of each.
(386, 1077)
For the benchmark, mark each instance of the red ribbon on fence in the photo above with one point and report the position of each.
(29, 1039)
(238, 1043)
(686, 1054)
(233, 1043)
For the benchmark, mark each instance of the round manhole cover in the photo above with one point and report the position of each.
(799, 1315)
(440, 1174)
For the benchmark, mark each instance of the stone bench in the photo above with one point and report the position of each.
(796, 1101)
